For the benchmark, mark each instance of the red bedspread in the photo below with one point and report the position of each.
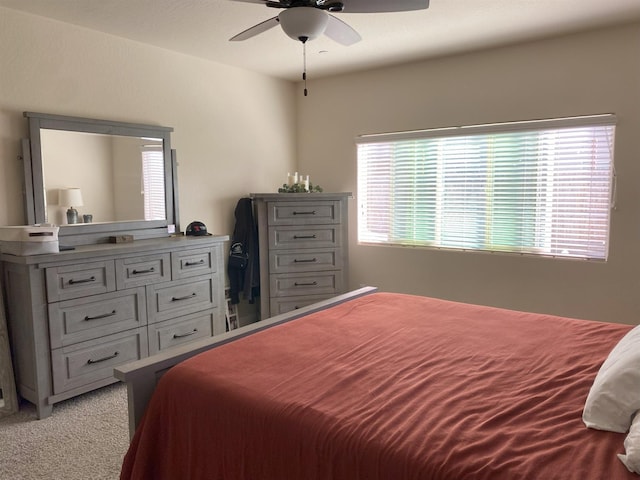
(389, 387)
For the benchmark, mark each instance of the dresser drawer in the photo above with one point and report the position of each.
(323, 236)
(138, 271)
(303, 213)
(73, 321)
(179, 331)
(87, 362)
(192, 263)
(329, 283)
(289, 261)
(280, 305)
(74, 281)
(180, 297)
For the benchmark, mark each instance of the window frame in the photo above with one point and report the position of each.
(440, 136)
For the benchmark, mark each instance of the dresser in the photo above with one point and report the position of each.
(303, 243)
(75, 315)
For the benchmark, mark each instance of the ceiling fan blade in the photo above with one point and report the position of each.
(255, 30)
(375, 6)
(268, 3)
(341, 32)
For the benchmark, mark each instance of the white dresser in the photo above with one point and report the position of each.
(75, 315)
(303, 242)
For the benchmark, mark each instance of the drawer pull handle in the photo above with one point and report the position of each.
(186, 297)
(140, 272)
(98, 317)
(309, 260)
(303, 237)
(313, 212)
(188, 334)
(311, 284)
(193, 264)
(103, 359)
(82, 280)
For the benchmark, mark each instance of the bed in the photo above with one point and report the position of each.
(385, 386)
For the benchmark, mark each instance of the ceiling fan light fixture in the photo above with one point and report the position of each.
(303, 23)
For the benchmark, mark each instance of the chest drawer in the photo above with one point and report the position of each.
(134, 272)
(289, 261)
(303, 213)
(178, 331)
(280, 305)
(191, 263)
(180, 297)
(93, 361)
(329, 283)
(74, 281)
(73, 321)
(323, 236)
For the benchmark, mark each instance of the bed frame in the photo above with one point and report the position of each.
(142, 376)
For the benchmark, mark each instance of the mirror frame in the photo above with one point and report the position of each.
(78, 234)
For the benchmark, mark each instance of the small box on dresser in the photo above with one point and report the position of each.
(29, 240)
(303, 242)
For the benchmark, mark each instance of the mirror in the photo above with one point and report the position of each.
(121, 179)
(122, 175)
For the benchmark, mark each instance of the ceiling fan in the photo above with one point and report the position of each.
(305, 20)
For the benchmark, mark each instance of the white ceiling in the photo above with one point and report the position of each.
(202, 28)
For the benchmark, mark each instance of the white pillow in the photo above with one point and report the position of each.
(632, 447)
(615, 394)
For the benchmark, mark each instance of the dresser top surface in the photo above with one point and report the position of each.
(311, 196)
(82, 252)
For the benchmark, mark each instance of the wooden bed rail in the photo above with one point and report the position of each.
(142, 376)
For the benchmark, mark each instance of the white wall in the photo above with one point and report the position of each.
(218, 113)
(596, 72)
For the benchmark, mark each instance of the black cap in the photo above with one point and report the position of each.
(197, 229)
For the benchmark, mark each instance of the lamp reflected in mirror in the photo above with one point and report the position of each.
(70, 197)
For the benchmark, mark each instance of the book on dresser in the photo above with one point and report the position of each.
(303, 244)
(75, 315)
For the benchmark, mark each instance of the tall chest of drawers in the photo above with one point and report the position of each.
(303, 242)
(75, 315)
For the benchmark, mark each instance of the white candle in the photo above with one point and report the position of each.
(306, 182)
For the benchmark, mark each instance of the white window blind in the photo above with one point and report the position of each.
(543, 187)
(153, 183)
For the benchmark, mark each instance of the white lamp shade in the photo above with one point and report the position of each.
(70, 197)
(303, 22)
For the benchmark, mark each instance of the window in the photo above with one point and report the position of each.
(153, 183)
(542, 187)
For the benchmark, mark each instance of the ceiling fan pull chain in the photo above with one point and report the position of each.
(304, 65)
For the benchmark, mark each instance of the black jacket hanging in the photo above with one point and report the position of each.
(244, 262)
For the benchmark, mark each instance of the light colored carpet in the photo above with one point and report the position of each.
(85, 438)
